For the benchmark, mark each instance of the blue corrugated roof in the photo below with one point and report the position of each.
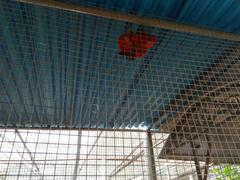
(214, 14)
(63, 69)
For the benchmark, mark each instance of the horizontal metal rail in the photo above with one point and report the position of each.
(147, 21)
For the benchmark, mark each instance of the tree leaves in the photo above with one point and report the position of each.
(228, 172)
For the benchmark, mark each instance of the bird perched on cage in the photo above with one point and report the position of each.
(135, 45)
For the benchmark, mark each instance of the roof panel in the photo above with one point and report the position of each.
(214, 14)
(63, 69)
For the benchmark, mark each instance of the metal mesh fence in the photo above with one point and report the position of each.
(72, 107)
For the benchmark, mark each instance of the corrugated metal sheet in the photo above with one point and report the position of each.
(215, 14)
(63, 69)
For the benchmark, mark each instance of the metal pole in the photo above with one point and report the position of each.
(150, 158)
(75, 129)
(196, 162)
(88, 154)
(122, 165)
(208, 156)
(135, 157)
(134, 19)
(77, 155)
(28, 151)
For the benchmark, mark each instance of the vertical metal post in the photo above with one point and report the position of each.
(150, 157)
(208, 156)
(77, 154)
(196, 162)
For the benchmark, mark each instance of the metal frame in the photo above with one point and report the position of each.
(153, 22)
(76, 129)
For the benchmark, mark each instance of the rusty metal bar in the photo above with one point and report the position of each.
(150, 157)
(135, 157)
(153, 22)
(122, 165)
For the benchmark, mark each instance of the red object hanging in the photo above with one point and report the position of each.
(135, 45)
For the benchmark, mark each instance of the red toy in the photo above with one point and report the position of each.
(135, 45)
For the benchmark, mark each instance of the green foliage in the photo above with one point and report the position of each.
(228, 172)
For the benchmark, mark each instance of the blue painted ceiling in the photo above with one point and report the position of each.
(63, 69)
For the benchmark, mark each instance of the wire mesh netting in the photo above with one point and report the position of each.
(72, 107)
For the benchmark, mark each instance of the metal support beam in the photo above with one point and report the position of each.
(150, 156)
(77, 155)
(196, 162)
(123, 165)
(135, 157)
(76, 129)
(89, 153)
(208, 157)
(26, 148)
(134, 19)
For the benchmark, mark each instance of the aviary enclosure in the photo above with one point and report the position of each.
(91, 92)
